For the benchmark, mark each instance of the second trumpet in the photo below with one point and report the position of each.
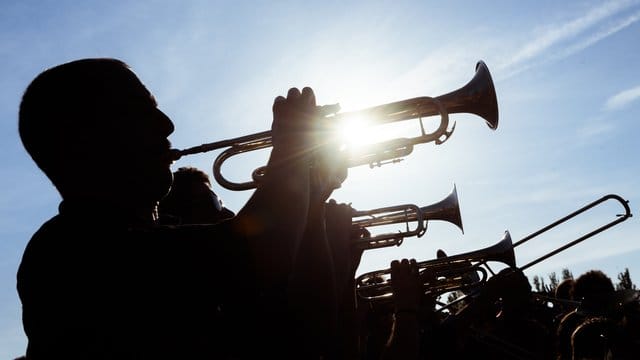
(447, 209)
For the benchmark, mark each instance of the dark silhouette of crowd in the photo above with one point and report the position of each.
(143, 263)
(504, 319)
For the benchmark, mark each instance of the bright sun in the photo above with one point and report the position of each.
(356, 132)
(366, 143)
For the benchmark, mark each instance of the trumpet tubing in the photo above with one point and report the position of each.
(477, 97)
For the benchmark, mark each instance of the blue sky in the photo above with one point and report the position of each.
(566, 75)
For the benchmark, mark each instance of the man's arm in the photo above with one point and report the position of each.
(274, 218)
(404, 342)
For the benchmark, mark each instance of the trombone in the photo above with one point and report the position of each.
(447, 209)
(477, 97)
(376, 285)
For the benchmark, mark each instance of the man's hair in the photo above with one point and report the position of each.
(564, 289)
(593, 283)
(187, 175)
(59, 106)
(179, 198)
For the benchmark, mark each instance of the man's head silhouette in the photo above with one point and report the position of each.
(96, 132)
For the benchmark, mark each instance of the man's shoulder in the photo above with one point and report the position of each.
(56, 232)
(41, 250)
(60, 241)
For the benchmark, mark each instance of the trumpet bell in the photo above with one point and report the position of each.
(501, 252)
(477, 97)
(447, 209)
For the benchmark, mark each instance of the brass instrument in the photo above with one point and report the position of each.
(468, 263)
(447, 209)
(478, 97)
(621, 217)
(443, 275)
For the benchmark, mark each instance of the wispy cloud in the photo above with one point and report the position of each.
(623, 98)
(617, 26)
(572, 36)
(568, 30)
(593, 131)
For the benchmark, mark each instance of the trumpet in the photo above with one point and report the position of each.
(451, 273)
(468, 264)
(477, 97)
(447, 209)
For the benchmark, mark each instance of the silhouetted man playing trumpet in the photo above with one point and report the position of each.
(102, 280)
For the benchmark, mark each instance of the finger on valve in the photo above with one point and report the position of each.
(405, 282)
(292, 126)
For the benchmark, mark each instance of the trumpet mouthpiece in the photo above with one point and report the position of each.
(175, 154)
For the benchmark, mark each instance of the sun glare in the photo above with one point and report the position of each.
(353, 132)
(358, 131)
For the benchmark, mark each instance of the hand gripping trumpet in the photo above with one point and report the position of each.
(447, 209)
(461, 271)
(477, 97)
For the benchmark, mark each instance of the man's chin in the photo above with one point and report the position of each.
(153, 188)
(164, 185)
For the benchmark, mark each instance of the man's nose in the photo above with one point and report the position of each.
(165, 123)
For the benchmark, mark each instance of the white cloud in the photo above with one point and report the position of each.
(623, 98)
(595, 130)
(539, 49)
(569, 29)
(618, 26)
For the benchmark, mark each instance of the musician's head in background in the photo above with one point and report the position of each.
(94, 119)
(595, 290)
(516, 292)
(564, 289)
(191, 199)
